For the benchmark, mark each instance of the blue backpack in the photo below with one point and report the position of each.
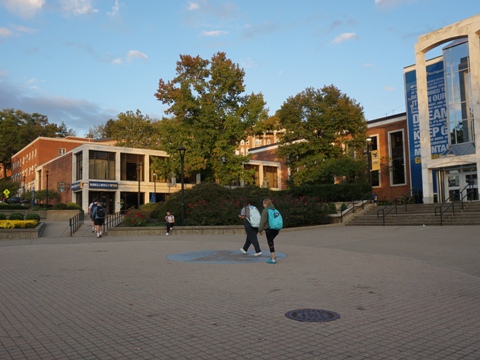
(275, 220)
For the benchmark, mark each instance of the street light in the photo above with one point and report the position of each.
(369, 153)
(139, 165)
(47, 188)
(182, 150)
(155, 187)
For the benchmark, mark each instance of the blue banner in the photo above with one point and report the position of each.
(437, 117)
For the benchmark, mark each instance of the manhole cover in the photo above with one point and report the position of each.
(312, 315)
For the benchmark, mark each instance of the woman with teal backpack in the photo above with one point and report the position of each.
(268, 212)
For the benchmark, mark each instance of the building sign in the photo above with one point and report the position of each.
(102, 185)
(437, 114)
(77, 186)
(375, 154)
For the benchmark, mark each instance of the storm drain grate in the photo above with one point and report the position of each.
(312, 315)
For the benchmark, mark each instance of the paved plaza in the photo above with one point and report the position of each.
(400, 292)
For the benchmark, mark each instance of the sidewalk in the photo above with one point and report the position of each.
(401, 293)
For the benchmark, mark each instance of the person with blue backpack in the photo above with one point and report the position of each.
(251, 220)
(271, 222)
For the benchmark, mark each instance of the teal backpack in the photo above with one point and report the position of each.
(275, 220)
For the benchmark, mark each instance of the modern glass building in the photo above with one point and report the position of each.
(443, 106)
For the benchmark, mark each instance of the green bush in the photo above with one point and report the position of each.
(3, 216)
(343, 207)
(210, 204)
(73, 206)
(32, 217)
(16, 216)
(60, 206)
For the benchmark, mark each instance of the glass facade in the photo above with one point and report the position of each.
(458, 90)
(101, 165)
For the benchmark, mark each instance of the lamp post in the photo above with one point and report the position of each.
(47, 189)
(155, 187)
(139, 165)
(182, 150)
(369, 153)
(24, 187)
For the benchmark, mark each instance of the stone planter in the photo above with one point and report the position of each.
(22, 233)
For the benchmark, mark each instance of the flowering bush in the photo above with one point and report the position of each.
(18, 224)
(136, 218)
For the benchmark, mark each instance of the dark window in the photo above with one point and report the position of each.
(398, 160)
(131, 167)
(101, 165)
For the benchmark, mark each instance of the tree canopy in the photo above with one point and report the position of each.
(324, 128)
(210, 115)
(20, 128)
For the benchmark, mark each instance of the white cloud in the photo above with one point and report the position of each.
(23, 8)
(117, 61)
(115, 9)
(24, 29)
(368, 65)
(193, 6)
(344, 37)
(214, 33)
(135, 54)
(78, 7)
(4, 32)
(389, 88)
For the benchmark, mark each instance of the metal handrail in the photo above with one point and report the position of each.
(113, 220)
(362, 201)
(402, 200)
(466, 194)
(451, 204)
(76, 221)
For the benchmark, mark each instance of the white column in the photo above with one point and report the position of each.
(424, 123)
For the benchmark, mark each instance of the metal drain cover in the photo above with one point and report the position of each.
(312, 315)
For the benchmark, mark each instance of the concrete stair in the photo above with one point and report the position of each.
(418, 214)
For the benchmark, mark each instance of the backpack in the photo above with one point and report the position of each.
(275, 220)
(253, 216)
(100, 212)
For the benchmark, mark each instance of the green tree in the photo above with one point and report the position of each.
(211, 114)
(133, 130)
(101, 131)
(18, 130)
(324, 128)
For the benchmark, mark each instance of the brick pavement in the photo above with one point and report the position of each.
(401, 292)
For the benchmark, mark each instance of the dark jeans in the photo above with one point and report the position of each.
(169, 227)
(252, 238)
(271, 234)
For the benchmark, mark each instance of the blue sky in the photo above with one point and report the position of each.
(85, 61)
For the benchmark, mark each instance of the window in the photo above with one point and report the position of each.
(458, 92)
(397, 156)
(79, 166)
(101, 165)
(270, 177)
(129, 167)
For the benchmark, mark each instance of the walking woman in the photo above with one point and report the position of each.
(270, 233)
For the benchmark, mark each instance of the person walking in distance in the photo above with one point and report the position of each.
(251, 220)
(99, 218)
(92, 206)
(170, 221)
(270, 233)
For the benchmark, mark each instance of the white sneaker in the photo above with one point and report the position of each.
(258, 254)
(243, 251)
(167, 234)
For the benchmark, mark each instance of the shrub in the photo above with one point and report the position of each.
(18, 224)
(60, 206)
(3, 216)
(15, 216)
(32, 217)
(136, 218)
(343, 207)
(73, 206)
